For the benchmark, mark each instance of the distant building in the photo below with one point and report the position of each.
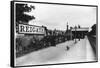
(68, 33)
(80, 32)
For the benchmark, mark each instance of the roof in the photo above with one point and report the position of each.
(80, 29)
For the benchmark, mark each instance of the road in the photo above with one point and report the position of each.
(79, 52)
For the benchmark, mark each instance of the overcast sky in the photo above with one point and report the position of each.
(56, 16)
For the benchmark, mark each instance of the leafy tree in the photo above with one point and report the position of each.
(79, 26)
(21, 17)
(93, 31)
(94, 27)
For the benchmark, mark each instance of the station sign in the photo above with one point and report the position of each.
(30, 29)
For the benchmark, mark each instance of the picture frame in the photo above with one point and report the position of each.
(41, 36)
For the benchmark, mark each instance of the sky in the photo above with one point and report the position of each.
(57, 16)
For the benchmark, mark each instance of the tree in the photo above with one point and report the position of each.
(94, 27)
(21, 17)
(93, 31)
(79, 26)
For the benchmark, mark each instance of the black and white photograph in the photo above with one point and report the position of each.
(53, 33)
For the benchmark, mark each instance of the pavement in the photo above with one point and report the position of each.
(66, 52)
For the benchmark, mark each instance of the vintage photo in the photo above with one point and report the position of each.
(51, 33)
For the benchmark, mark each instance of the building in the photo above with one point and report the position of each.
(80, 32)
(76, 32)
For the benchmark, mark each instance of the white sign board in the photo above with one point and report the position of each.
(30, 29)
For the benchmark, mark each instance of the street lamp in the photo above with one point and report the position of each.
(71, 32)
(75, 34)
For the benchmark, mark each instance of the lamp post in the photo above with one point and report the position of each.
(75, 34)
(71, 32)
